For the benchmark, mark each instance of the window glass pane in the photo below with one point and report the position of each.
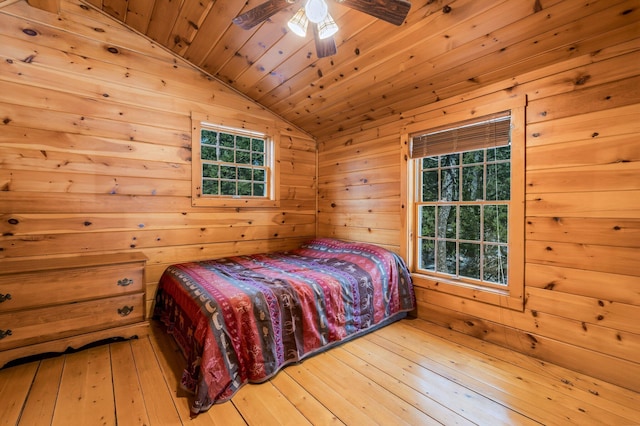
(470, 223)
(427, 255)
(227, 155)
(227, 188)
(498, 181)
(228, 172)
(428, 221)
(243, 142)
(259, 175)
(244, 188)
(450, 186)
(210, 170)
(257, 159)
(243, 157)
(259, 189)
(450, 160)
(209, 137)
(495, 264)
(227, 140)
(472, 183)
(496, 223)
(446, 257)
(430, 163)
(470, 260)
(446, 222)
(210, 187)
(257, 145)
(209, 153)
(244, 173)
(430, 185)
(473, 157)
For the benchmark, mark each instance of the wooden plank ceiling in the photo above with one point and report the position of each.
(444, 48)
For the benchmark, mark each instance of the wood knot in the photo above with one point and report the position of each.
(582, 80)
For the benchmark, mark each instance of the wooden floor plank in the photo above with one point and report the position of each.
(130, 405)
(225, 414)
(157, 396)
(264, 404)
(442, 399)
(364, 393)
(341, 407)
(310, 407)
(15, 383)
(86, 394)
(38, 409)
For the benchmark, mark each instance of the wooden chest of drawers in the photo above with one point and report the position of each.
(51, 305)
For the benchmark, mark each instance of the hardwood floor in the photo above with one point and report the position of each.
(411, 372)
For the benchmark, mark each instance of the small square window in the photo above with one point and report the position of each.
(233, 166)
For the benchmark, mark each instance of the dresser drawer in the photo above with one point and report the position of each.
(20, 328)
(34, 289)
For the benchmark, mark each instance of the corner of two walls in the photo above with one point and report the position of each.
(582, 283)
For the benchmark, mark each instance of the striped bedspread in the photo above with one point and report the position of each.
(240, 319)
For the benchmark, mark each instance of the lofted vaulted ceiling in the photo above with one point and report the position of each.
(444, 48)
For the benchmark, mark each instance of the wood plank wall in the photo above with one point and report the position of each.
(582, 240)
(95, 148)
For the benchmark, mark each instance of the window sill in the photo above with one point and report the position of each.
(233, 202)
(490, 296)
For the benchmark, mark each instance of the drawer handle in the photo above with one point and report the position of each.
(125, 282)
(125, 310)
(5, 333)
(4, 297)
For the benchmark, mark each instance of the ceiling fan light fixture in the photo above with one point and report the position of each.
(316, 10)
(298, 23)
(327, 27)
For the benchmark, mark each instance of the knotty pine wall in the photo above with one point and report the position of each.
(582, 243)
(95, 148)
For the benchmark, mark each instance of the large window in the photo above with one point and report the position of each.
(233, 166)
(463, 201)
(466, 216)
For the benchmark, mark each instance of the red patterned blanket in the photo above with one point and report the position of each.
(240, 319)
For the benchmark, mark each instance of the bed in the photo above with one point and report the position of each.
(241, 319)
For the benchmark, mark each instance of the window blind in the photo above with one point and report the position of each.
(478, 133)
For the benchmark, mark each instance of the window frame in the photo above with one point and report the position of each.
(272, 152)
(511, 295)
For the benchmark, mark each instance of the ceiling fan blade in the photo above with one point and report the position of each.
(324, 47)
(392, 11)
(258, 14)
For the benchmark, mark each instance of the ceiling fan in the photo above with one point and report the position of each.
(322, 24)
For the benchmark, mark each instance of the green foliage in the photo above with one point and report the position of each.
(461, 232)
(225, 154)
